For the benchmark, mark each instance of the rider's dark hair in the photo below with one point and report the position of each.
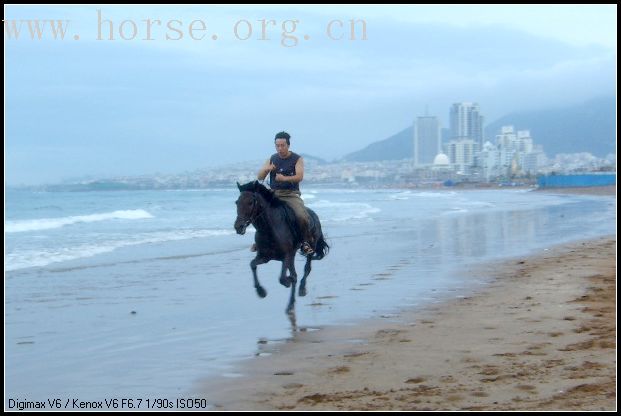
(283, 135)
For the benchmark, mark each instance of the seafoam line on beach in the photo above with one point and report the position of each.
(17, 226)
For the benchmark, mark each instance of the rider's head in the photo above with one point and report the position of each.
(282, 143)
(283, 135)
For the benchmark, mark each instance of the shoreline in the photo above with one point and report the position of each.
(540, 336)
(478, 186)
(576, 190)
(586, 190)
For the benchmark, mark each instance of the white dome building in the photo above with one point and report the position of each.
(441, 161)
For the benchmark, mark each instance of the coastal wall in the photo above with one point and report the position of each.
(563, 181)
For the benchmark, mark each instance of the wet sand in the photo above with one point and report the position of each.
(541, 336)
(585, 190)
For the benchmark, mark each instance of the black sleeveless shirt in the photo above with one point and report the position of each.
(285, 167)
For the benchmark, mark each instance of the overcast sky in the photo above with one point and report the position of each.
(145, 104)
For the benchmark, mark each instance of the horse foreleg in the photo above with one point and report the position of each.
(307, 270)
(284, 279)
(253, 265)
(293, 276)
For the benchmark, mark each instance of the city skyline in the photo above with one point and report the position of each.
(510, 153)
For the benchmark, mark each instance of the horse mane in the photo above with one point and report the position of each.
(267, 194)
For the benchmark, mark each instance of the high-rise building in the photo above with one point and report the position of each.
(427, 140)
(466, 122)
(462, 153)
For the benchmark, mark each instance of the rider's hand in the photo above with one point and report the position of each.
(269, 167)
(281, 178)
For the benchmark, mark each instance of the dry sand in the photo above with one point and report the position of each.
(541, 336)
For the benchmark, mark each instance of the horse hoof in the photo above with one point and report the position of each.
(302, 291)
(286, 282)
(261, 292)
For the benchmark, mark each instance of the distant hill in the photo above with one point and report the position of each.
(587, 127)
(313, 159)
(398, 146)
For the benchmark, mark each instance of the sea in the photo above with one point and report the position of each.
(142, 294)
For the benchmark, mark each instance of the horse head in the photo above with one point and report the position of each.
(246, 211)
(248, 206)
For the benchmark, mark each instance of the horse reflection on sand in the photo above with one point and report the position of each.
(278, 236)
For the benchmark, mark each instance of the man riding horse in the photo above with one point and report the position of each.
(282, 223)
(286, 170)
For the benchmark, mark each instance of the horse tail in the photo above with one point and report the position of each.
(321, 249)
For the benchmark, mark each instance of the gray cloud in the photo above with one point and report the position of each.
(132, 107)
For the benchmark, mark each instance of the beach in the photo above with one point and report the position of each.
(540, 336)
(586, 190)
(149, 295)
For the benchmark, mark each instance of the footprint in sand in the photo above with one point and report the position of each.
(293, 386)
(382, 333)
(355, 354)
(415, 380)
(489, 370)
(339, 370)
(454, 398)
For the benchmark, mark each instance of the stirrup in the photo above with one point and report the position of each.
(307, 250)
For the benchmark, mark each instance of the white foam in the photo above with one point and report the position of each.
(50, 223)
(439, 194)
(401, 196)
(455, 210)
(38, 258)
(343, 211)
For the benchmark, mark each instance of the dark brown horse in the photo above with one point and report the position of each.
(278, 236)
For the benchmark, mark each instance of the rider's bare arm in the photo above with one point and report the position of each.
(265, 170)
(299, 173)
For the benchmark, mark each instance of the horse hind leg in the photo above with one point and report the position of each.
(294, 278)
(307, 270)
(253, 265)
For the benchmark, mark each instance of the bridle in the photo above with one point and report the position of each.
(253, 211)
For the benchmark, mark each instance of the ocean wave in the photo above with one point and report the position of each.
(19, 226)
(342, 211)
(406, 195)
(455, 210)
(437, 194)
(38, 258)
(400, 196)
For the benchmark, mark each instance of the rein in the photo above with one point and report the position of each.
(253, 215)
